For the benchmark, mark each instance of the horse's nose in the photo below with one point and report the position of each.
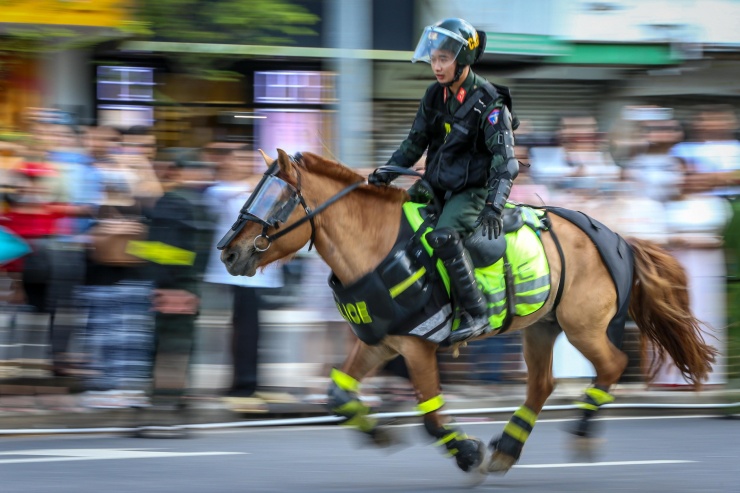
(229, 257)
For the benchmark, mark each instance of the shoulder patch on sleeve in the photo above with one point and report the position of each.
(493, 116)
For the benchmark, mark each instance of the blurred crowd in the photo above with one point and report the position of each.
(649, 175)
(122, 234)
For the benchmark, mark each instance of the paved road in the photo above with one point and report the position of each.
(687, 454)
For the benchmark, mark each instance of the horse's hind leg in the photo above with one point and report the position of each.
(538, 341)
(343, 395)
(609, 363)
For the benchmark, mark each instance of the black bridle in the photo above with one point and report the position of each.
(295, 198)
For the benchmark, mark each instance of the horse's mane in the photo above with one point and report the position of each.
(319, 165)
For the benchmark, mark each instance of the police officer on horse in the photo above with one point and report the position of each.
(465, 124)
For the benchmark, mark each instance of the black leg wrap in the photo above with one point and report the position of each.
(468, 452)
(590, 403)
(336, 398)
(347, 404)
(508, 445)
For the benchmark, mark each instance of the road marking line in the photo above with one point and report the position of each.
(604, 464)
(66, 455)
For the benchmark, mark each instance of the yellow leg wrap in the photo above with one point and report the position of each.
(357, 414)
(516, 432)
(448, 437)
(527, 415)
(521, 424)
(594, 399)
(344, 381)
(599, 396)
(431, 405)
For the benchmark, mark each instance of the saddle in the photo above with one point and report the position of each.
(483, 251)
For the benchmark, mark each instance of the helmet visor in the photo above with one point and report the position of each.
(438, 45)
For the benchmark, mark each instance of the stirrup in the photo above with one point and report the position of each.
(469, 328)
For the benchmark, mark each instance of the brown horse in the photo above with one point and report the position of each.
(354, 226)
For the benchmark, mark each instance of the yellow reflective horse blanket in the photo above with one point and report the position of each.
(516, 284)
(409, 292)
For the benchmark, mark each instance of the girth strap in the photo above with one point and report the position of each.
(561, 281)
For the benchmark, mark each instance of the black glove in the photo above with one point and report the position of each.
(420, 194)
(492, 221)
(379, 178)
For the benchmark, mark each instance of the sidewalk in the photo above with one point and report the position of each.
(56, 410)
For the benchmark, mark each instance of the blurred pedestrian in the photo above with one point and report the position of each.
(712, 160)
(178, 246)
(580, 161)
(655, 172)
(82, 183)
(238, 172)
(117, 296)
(135, 152)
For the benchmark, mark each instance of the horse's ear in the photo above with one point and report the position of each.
(285, 163)
(268, 159)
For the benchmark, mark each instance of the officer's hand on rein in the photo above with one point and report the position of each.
(491, 220)
(379, 178)
(420, 194)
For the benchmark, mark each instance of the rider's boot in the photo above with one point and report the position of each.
(448, 246)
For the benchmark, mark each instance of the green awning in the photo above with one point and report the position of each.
(549, 48)
(563, 52)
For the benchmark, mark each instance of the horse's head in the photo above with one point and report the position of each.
(274, 209)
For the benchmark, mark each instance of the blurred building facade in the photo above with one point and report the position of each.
(46, 51)
(353, 79)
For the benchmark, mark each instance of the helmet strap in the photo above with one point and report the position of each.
(458, 72)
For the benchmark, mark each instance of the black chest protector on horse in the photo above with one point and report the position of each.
(459, 159)
(399, 296)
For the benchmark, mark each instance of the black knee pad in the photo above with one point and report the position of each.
(445, 242)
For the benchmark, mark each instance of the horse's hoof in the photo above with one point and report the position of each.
(384, 437)
(474, 477)
(500, 463)
(585, 449)
(582, 428)
(470, 454)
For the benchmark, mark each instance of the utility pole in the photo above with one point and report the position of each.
(350, 29)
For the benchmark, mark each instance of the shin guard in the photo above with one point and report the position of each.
(516, 432)
(343, 399)
(593, 398)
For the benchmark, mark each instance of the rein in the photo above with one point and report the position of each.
(245, 216)
(310, 215)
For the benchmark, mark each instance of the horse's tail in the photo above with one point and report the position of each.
(659, 305)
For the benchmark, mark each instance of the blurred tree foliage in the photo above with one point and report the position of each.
(263, 22)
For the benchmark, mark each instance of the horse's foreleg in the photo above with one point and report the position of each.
(421, 360)
(538, 342)
(343, 395)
